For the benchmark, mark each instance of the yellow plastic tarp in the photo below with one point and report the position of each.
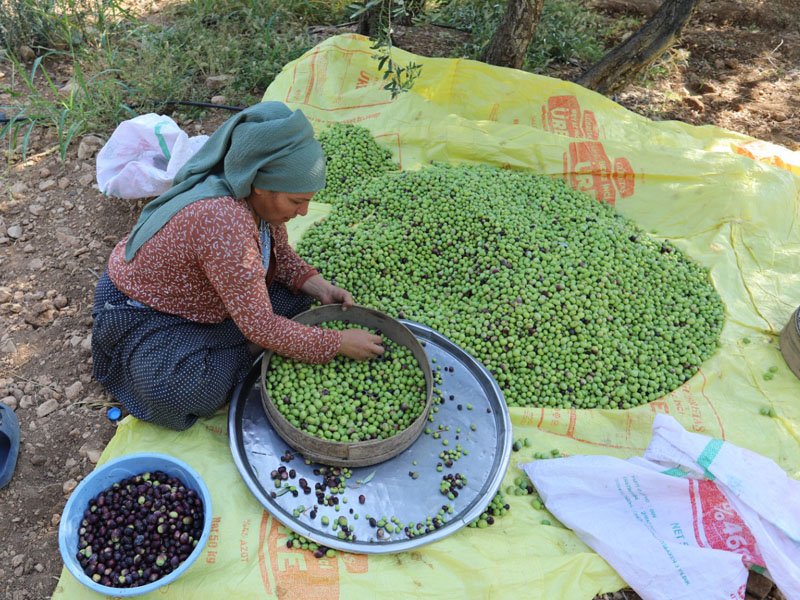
(729, 201)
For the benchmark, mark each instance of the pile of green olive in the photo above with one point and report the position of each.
(568, 303)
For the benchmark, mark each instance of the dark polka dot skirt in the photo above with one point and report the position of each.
(166, 369)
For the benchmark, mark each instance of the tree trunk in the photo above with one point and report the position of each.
(510, 42)
(369, 22)
(620, 67)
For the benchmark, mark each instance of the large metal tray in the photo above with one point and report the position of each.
(388, 487)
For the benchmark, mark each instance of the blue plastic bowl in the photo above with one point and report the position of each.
(104, 476)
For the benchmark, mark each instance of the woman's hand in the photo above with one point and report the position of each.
(327, 293)
(359, 344)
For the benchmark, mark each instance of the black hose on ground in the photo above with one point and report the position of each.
(190, 103)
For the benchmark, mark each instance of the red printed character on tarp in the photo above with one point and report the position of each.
(562, 115)
(587, 168)
(659, 406)
(297, 573)
(717, 525)
(771, 154)
(311, 84)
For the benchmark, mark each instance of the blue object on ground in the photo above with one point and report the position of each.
(114, 413)
(9, 443)
(105, 476)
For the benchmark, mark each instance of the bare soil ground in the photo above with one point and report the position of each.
(737, 67)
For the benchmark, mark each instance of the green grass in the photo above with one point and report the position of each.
(249, 40)
(123, 64)
(46, 106)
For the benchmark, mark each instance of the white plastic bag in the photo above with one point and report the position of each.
(668, 529)
(758, 489)
(143, 155)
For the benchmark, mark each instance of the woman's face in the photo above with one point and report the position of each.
(277, 208)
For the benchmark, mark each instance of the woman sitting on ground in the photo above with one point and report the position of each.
(207, 278)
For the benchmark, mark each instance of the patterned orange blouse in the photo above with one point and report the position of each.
(205, 265)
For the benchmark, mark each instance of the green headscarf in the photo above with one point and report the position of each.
(266, 146)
